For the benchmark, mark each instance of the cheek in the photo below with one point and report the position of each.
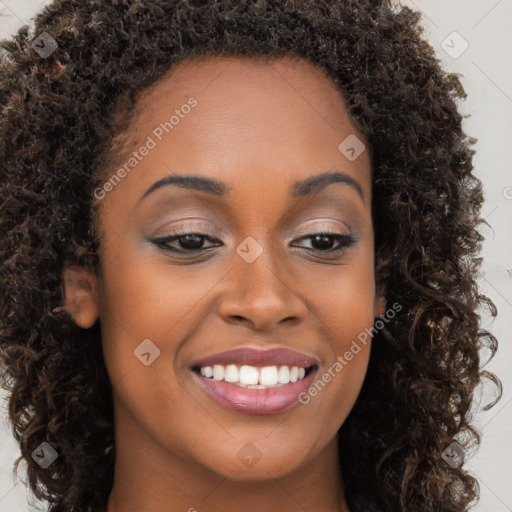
(346, 322)
(342, 298)
(148, 300)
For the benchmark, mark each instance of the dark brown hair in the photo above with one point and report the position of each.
(56, 125)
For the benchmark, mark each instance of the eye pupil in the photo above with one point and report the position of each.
(191, 238)
(326, 241)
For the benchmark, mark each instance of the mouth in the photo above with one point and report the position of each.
(255, 381)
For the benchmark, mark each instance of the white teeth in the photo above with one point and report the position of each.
(253, 377)
(207, 371)
(231, 374)
(268, 376)
(248, 375)
(283, 375)
(218, 372)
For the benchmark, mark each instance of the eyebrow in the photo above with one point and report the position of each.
(218, 188)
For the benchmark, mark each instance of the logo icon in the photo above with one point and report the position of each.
(147, 352)
(352, 147)
(453, 454)
(44, 45)
(455, 45)
(249, 249)
(249, 454)
(44, 454)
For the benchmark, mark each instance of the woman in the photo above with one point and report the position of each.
(238, 259)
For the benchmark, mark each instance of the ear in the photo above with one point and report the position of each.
(81, 295)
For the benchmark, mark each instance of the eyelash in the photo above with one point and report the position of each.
(345, 241)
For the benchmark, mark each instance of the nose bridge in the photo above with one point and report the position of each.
(260, 275)
(258, 291)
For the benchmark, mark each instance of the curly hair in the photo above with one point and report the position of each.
(59, 115)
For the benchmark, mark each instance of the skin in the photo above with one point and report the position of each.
(255, 123)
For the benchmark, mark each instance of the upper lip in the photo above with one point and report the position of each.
(253, 357)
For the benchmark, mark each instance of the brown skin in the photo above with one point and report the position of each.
(255, 124)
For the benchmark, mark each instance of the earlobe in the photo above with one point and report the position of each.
(81, 295)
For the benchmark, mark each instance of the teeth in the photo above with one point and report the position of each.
(248, 375)
(253, 377)
(218, 372)
(207, 371)
(268, 375)
(283, 375)
(231, 374)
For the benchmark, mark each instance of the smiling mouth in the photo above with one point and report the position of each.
(255, 377)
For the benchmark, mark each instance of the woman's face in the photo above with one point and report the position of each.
(253, 135)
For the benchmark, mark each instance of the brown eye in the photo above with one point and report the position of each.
(186, 242)
(324, 241)
(191, 242)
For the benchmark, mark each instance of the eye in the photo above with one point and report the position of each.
(325, 239)
(188, 241)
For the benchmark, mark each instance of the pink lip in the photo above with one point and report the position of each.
(253, 357)
(255, 401)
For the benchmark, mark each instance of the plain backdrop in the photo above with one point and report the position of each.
(471, 37)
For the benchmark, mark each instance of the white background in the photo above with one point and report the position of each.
(485, 26)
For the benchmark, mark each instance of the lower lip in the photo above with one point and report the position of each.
(255, 401)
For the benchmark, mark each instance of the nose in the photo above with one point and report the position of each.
(260, 295)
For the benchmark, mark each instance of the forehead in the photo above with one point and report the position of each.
(246, 89)
(256, 119)
(263, 76)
